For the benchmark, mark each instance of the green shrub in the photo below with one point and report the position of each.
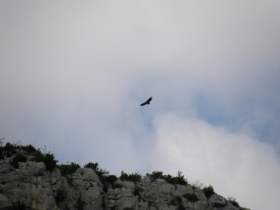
(179, 179)
(66, 169)
(50, 162)
(18, 158)
(137, 190)
(134, 177)
(154, 175)
(105, 187)
(107, 180)
(48, 159)
(191, 197)
(177, 201)
(117, 185)
(28, 148)
(233, 202)
(9, 149)
(38, 156)
(111, 179)
(175, 180)
(208, 191)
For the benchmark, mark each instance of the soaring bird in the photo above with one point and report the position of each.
(147, 102)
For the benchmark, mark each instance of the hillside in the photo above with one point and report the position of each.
(31, 179)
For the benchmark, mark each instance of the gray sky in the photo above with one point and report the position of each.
(73, 74)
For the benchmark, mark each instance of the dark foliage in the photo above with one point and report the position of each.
(177, 201)
(208, 191)
(11, 149)
(80, 203)
(179, 179)
(19, 206)
(175, 180)
(111, 179)
(15, 148)
(191, 197)
(105, 187)
(48, 159)
(28, 148)
(154, 175)
(18, 158)
(66, 169)
(117, 185)
(134, 177)
(107, 180)
(60, 196)
(8, 149)
(137, 191)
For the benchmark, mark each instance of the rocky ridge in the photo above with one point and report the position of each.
(26, 183)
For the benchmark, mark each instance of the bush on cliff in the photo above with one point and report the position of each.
(179, 179)
(134, 177)
(67, 169)
(208, 191)
(18, 158)
(48, 159)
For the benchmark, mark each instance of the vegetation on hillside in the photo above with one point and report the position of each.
(22, 153)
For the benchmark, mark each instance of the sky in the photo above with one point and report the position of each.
(73, 74)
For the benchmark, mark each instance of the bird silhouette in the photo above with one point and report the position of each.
(147, 102)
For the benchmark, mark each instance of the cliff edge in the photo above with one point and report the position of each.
(31, 180)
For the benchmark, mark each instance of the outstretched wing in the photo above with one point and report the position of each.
(147, 102)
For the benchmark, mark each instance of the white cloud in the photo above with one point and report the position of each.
(235, 164)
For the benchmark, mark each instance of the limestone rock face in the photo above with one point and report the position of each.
(33, 186)
(28, 184)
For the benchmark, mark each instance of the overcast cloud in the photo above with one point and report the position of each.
(73, 74)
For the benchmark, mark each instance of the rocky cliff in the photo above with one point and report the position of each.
(30, 179)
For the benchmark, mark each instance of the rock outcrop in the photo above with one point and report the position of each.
(31, 186)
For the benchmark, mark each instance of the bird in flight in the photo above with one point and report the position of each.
(147, 102)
